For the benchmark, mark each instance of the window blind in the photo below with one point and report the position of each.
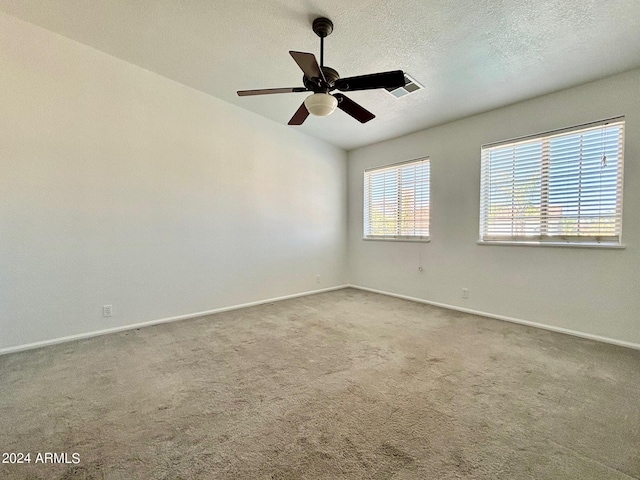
(396, 201)
(563, 186)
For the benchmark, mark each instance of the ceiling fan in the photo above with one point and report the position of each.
(322, 80)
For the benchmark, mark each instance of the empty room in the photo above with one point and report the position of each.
(291, 239)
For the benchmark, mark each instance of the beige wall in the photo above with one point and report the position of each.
(118, 186)
(591, 291)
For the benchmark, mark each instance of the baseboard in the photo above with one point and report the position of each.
(96, 333)
(528, 323)
(81, 336)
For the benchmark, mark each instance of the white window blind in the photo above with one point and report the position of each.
(396, 201)
(563, 186)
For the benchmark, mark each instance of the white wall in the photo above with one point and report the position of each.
(121, 187)
(591, 291)
(118, 186)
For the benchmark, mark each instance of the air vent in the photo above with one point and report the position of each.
(410, 86)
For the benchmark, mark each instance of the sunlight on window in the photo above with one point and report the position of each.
(561, 187)
(396, 201)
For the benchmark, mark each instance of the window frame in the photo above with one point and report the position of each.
(366, 206)
(544, 238)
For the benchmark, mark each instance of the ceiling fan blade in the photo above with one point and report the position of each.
(352, 108)
(268, 91)
(393, 79)
(309, 65)
(300, 116)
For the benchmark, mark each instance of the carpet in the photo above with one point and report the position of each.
(339, 385)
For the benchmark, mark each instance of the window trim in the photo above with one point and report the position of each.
(558, 131)
(611, 242)
(601, 245)
(396, 238)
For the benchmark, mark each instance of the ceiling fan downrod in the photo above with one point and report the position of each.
(322, 27)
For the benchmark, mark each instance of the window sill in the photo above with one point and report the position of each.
(612, 246)
(399, 239)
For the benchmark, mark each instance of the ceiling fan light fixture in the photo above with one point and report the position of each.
(321, 104)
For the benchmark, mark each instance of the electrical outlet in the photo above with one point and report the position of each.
(317, 278)
(465, 293)
(107, 310)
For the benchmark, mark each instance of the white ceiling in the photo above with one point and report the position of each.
(471, 55)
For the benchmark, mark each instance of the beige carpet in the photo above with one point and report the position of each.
(341, 385)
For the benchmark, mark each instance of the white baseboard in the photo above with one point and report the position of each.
(95, 333)
(528, 323)
(70, 338)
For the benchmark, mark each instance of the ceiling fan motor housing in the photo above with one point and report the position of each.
(312, 84)
(330, 74)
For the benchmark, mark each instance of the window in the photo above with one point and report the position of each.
(396, 201)
(561, 187)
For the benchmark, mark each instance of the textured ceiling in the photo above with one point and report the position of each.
(470, 55)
